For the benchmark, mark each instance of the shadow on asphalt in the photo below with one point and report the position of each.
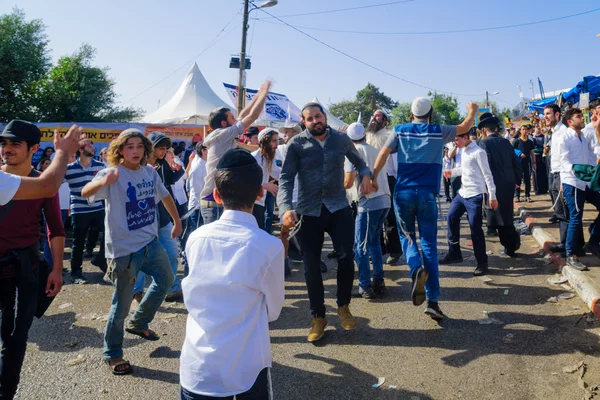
(155, 375)
(344, 381)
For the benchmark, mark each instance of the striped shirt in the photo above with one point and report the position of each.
(77, 177)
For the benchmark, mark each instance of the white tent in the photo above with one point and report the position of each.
(332, 121)
(191, 104)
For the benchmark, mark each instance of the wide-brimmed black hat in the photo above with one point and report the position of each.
(487, 118)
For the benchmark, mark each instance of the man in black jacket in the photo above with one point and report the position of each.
(506, 170)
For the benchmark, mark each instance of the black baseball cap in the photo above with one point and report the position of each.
(21, 131)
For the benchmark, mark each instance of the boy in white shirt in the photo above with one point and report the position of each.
(235, 287)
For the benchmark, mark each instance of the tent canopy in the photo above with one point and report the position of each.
(191, 104)
(589, 84)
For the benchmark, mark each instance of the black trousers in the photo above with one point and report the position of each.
(18, 303)
(339, 225)
(259, 391)
(392, 244)
(455, 183)
(259, 213)
(446, 188)
(82, 222)
(541, 175)
(509, 238)
(526, 168)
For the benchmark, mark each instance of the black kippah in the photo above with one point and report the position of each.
(236, 158)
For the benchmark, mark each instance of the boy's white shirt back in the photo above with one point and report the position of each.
(234, 289)
(131, 221)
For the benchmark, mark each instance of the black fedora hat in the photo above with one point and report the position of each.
(487, 118)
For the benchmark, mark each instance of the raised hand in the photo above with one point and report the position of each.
(71, 142)
(111, 177)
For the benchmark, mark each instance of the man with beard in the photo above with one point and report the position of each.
(19, 253)
(223, 138)
(84, 216)
(419, 146)
(377, 135)
(317, 157)
(506, 170)
(552, 116)
(573, 149)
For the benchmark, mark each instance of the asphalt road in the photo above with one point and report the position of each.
(521, 356)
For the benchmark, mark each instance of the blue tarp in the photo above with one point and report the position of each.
(589, 84)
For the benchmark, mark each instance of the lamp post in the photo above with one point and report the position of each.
(241, 80)
(487, 98)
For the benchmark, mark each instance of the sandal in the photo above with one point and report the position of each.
(114, 368)
(151, 335)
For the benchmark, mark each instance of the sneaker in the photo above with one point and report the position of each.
(323, 267)
(529, 199)
(78, 278)
(573, 262)
(393, 258)
(418, 286)
(448, 259)
(318, 329)
(332, 254)
(178, 295)
(366, 293)
(593, 248)
(379, 286)
(481, 270)
(434, 311)
(346, 317)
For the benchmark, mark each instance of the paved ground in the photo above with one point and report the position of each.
(520, 358)
(540, 209)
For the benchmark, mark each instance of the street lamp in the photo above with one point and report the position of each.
(487, 97)
(241, 80)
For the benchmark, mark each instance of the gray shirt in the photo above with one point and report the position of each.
(218, 142)
(320, 171)
(131, 221)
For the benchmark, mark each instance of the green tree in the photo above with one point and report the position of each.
(445, 109)
(495, 109)
(74, 90)
(366, 102)
(24, 59)
(401, 114)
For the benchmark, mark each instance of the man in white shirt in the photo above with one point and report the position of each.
(574, 149)
(14, 187)
(476, 175)
(377, 135)
(234, 289)
(223, 138)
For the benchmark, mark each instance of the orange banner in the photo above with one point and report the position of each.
(181, 132)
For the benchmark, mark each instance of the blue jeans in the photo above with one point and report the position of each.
(152, 260)
(170, 246)
(368, 227)
(194, 222)
(269, 212)
(419, 205)
(211, 213)
(259, 390)
(575, 199)
(473, 207)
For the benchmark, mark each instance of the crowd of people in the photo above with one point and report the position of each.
(150, 203)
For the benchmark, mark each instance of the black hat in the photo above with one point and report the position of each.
(252, 131)
(22, 131)
(157, 137)
(487, 118)
(236, 159)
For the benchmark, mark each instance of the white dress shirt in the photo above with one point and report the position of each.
(9, 184)
(590, 134)
(196, 182)
(475, 172)
(573, 150)
(557, 133)
(234, 289)
(280, 155)
(274, 172)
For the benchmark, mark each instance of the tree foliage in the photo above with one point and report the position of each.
(445, 109)
(366, 102)
(401, 114)
(24, 59)
(32, 89)
(75, 90)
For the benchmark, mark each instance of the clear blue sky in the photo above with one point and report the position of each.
(143, 41)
